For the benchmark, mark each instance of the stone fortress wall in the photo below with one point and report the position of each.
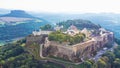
(59, 50)
(35, 33)
(38, 39)
(80, 50)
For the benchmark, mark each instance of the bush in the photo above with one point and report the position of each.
(61, 37)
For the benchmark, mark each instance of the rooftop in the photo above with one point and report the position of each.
(72, 27)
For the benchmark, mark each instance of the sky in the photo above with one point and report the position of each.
(63, 6)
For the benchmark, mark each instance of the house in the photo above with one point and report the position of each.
(72, 30)
(35, 33)
(86, 32)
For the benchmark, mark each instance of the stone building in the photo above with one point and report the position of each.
(86, 32)
(58, 28)
(40, 32)
(72, 30)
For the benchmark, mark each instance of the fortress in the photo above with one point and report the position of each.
(76, 52)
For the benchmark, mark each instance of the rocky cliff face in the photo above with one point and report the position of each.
(35, 39)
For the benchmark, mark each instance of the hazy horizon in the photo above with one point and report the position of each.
(63, 6)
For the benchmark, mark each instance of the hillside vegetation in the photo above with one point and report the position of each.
(14, 55)
(79, 23)
(18, 13)
(17, 24)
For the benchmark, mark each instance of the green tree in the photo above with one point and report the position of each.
(117, 63)
(101, 64)
(110, 55)
(88, 64)
(46, 27)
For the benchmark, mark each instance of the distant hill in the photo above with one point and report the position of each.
(18, 13)
(80, 24)
(18, 23)
(17, 16)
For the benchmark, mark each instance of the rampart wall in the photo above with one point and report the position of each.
(80, 50)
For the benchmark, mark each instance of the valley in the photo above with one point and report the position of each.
(13, 26)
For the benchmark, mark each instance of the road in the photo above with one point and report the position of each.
(101, 52)
(41, 46)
